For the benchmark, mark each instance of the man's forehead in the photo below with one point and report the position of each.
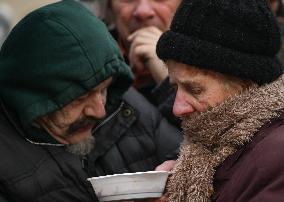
(104, 83)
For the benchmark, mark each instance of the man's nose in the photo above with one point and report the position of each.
(95, 106)
(143, 10)
(182, 107)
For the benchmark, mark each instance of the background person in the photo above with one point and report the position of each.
(137, 25)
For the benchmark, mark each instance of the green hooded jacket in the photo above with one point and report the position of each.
(54, 55)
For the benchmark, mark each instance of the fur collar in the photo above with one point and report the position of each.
(217, 133)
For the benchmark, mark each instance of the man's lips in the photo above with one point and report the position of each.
(86, 128)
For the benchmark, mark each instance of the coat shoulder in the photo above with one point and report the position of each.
(271, 148)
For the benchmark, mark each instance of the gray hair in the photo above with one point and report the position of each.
(82, 148)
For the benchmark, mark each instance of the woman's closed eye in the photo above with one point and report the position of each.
(194, 90)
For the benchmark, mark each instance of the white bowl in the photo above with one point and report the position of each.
(127, 186)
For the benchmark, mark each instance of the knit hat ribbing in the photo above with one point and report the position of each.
(235, 37)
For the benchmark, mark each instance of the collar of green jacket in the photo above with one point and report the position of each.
(54, 55)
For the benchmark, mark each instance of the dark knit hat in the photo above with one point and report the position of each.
(239, 38)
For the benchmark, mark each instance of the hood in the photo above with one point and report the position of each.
(56, 54)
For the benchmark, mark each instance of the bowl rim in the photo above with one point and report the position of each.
(128, 174)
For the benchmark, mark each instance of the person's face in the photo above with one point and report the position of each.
(197, 90)
(74, 122)
(131, 15)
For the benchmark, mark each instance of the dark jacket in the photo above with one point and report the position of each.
(136, 139)
(38, 173)
(255, 173)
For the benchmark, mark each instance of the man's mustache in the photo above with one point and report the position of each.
(82, 123)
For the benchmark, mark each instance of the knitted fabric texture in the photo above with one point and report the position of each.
(239, 38)
(217, 133)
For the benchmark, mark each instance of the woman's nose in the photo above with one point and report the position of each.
(182, 106)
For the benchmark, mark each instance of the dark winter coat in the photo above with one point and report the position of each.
(38, 173)
(136, 139)
(254, 173)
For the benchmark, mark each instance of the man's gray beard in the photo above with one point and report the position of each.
(83, 148)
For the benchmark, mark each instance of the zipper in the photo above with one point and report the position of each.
(108, 118)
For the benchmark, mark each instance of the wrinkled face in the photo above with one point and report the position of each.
(197, 89)
(74, 122)
(130, 15)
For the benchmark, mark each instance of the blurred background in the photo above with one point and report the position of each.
(11, 11)
(19, 8)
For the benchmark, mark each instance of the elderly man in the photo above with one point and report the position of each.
(137, 26)
(221, 57)
(59, 68)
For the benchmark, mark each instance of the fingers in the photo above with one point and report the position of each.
(166, 166)
(137, 57)
(161, 199)
(143, 46)
(146, 36)
(142, 52)
(146, 32)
